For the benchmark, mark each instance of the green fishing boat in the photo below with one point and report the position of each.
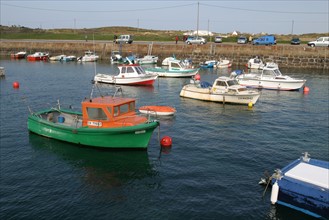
(105, 122)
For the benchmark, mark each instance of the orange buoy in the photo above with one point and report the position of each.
(15, 85)
(197, 77)
(166, 141)
(306, 89)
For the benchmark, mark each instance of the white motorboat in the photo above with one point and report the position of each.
(129, 74)
(69, 58)
(116, 57)
(176, 68)
(224, 89)
(19, 55)
(269, 78)
(222, 63)
(89, 57)
(57, 58)
(165, 62)
(148, 59)
(255, 63)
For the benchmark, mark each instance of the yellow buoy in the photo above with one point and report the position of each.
(250, 104)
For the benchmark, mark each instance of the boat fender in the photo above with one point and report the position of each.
(275, 193)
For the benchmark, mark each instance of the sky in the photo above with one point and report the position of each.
(218, 16)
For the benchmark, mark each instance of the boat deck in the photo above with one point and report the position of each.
(70, 120)
(310, 174)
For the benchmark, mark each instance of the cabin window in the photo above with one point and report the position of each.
(123, 70)
(132, 106)
(221, 83)
(232, 82)
(116, 110)
(267, 72)
(139, 70)
(109, 110)
(96, 114)
(130, 69)
(124, 108)
(175, 65)
(277, 72)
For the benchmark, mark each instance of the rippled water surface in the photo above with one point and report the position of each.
(219, 153)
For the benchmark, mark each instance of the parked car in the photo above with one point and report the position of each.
(295, 41)
(196, 40)
(128, 39)
(265, 40)
(242, 40)
(218, 39)
(320, 42)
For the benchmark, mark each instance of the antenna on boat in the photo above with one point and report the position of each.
(94, 52)
(129, 61)
(117, 89)
(58, 105)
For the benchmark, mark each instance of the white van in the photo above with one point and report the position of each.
(320, 42)
(128, 39)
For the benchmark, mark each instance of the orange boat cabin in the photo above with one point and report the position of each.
(109, 112)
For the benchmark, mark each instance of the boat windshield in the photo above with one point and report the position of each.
(89, 53)
(130, 69)
(277, 72)
(96, 114)
(272, 72)
(177, 65)
(232, 82)
(139, 70)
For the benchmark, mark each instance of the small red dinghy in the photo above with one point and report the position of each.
(157, 110)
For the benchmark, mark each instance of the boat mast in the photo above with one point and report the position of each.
(197, 26)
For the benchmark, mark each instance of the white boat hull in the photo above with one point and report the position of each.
(272, 84)
(148, 59)
(89, 59)
(173, 73)
(166, 61)
(143, 80)
(255, 66)
(207, 94)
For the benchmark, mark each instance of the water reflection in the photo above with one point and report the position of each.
(277, 212)
(101, 168)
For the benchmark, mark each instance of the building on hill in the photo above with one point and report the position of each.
(199, 33)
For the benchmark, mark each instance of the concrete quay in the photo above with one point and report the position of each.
(294, 56)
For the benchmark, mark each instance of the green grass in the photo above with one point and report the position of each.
(107, 33)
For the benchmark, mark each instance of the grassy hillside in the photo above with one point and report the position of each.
(107, 33)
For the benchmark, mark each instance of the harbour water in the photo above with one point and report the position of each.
(218, 156)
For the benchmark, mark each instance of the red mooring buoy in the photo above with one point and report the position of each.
(166, 141)
(15, 85)
(197, 77)
(306, 89)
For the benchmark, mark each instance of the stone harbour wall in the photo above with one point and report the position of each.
(296, 56)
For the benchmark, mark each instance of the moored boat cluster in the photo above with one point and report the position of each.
(112, 122)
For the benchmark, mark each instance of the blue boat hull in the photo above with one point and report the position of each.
(303, 196)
